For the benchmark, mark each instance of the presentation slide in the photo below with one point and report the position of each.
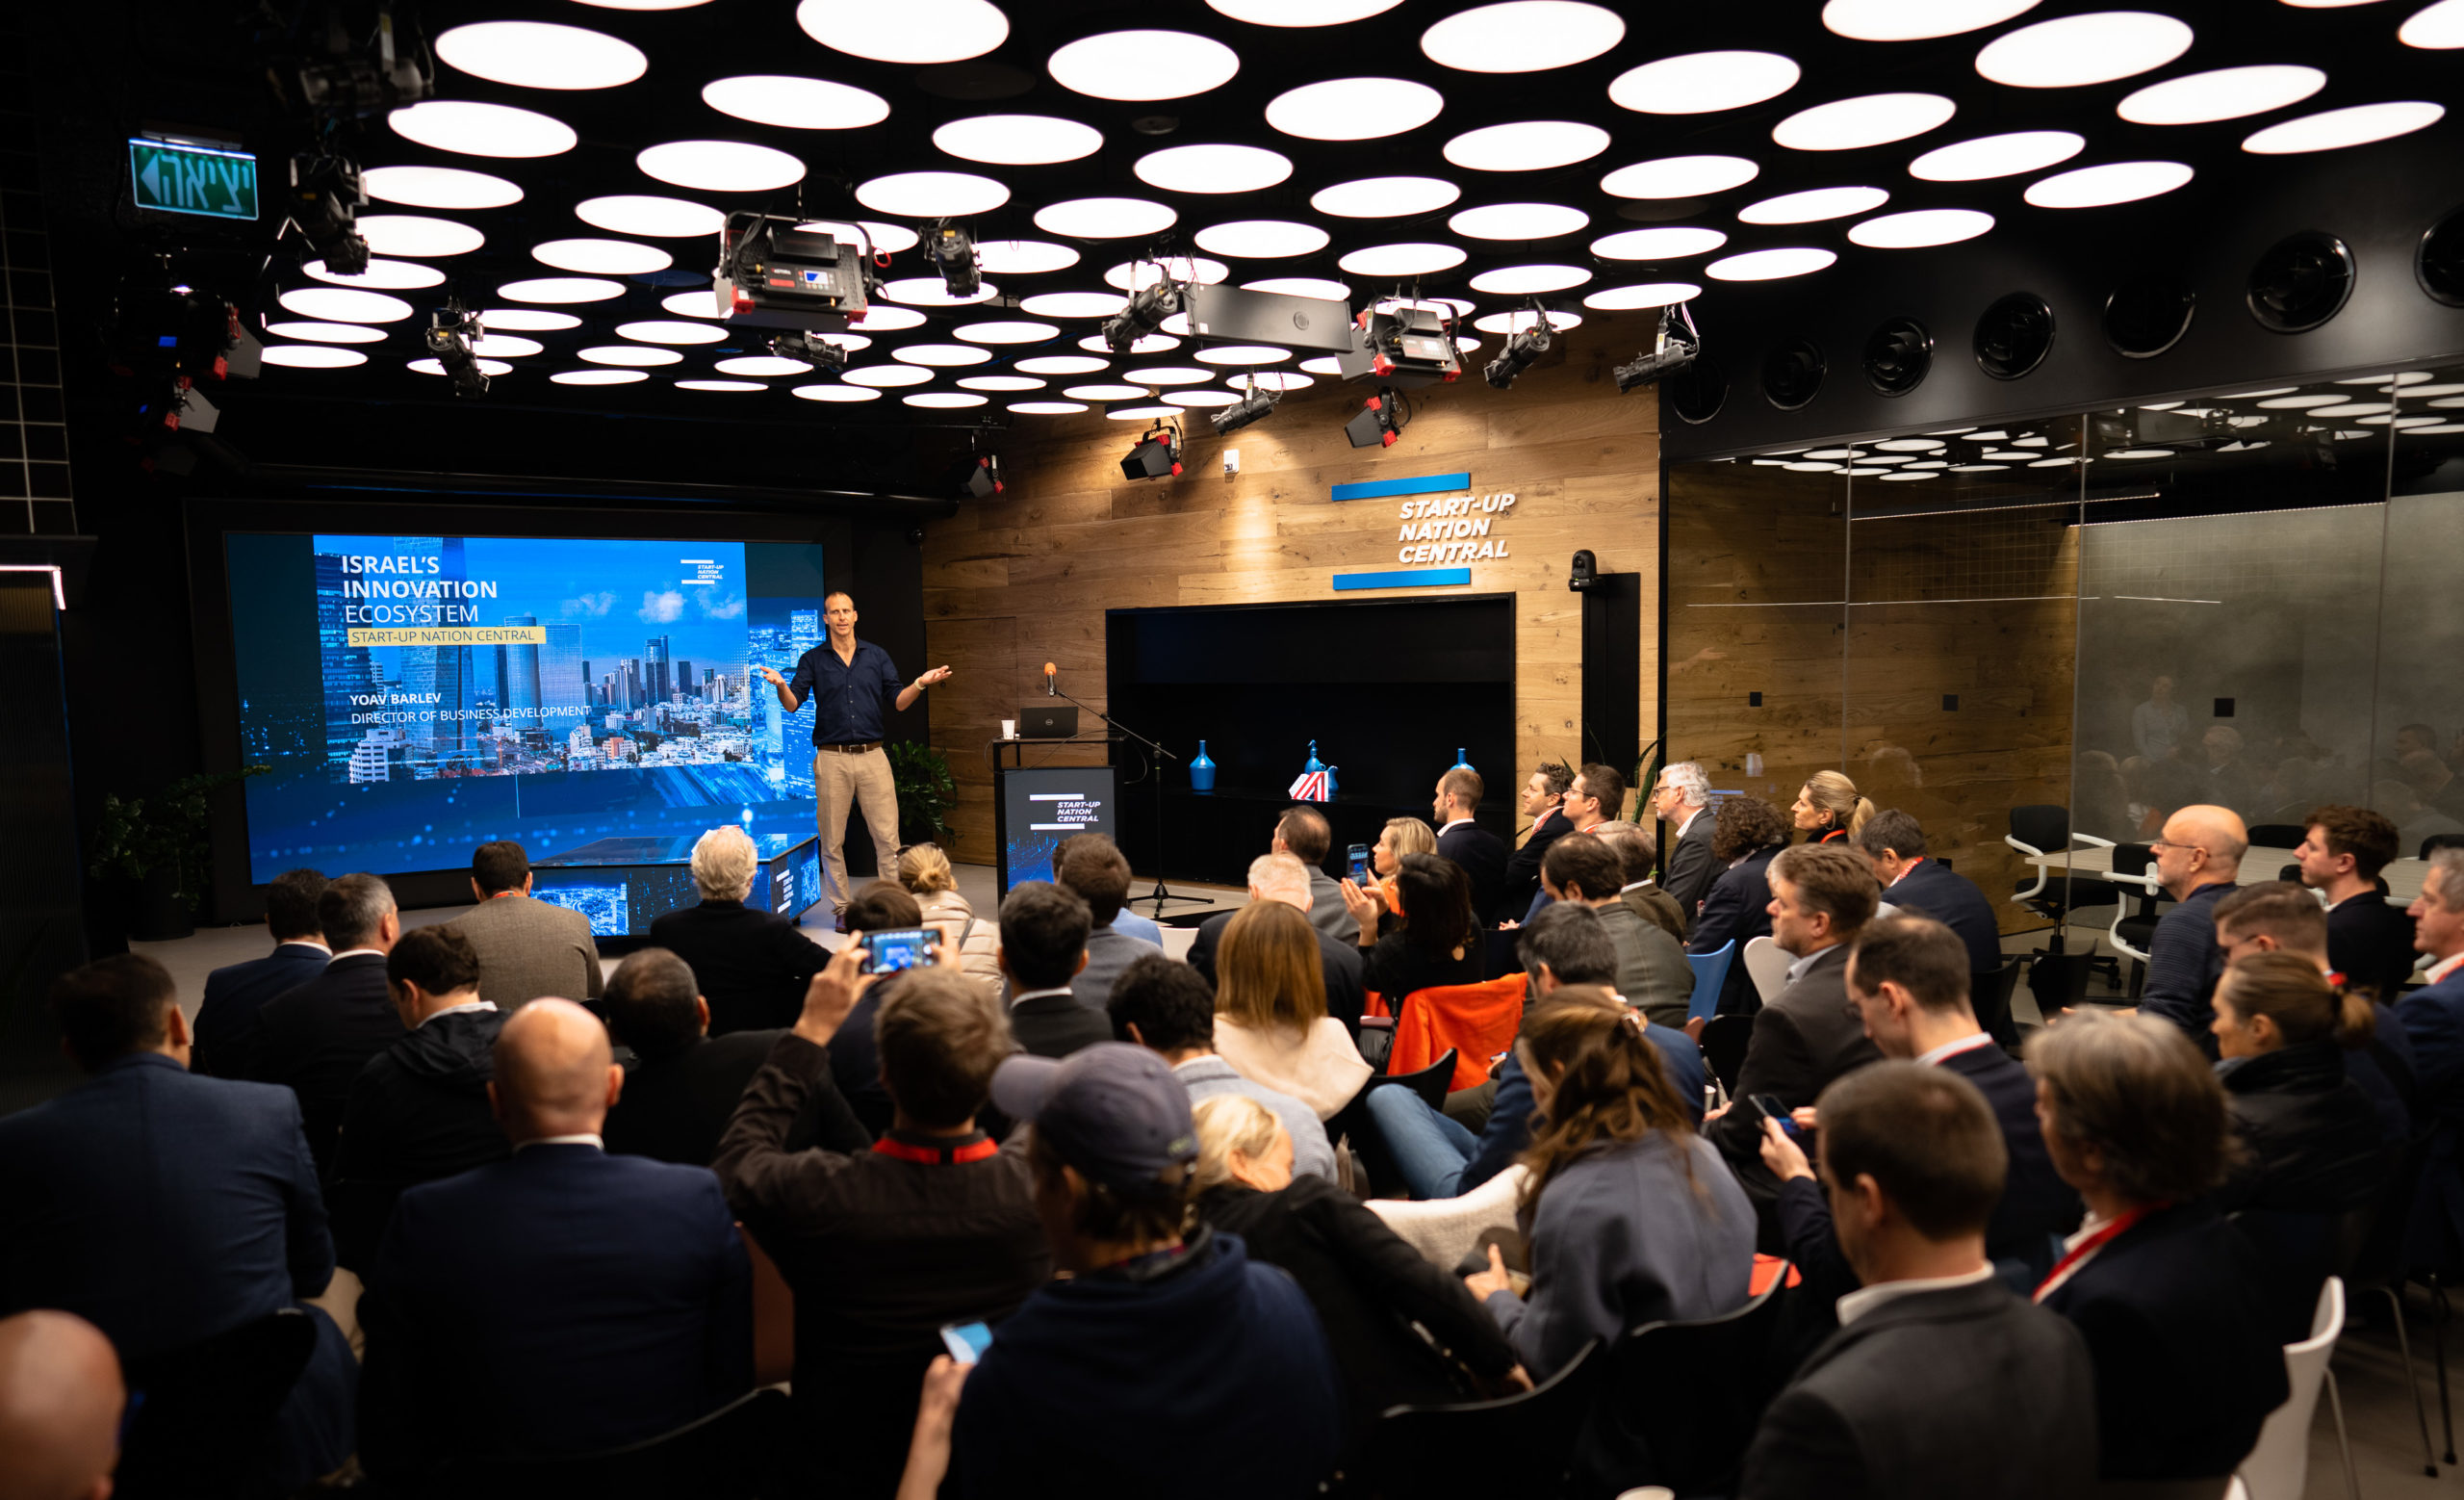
(419, 695)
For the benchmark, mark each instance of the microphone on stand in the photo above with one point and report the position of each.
(1050, 689)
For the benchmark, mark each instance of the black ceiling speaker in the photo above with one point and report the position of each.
(1791, 373)
(1696, 392)
(2300, 282)
(2149, 316)
(2013, 335)
(1897, 355)
(2438, 263)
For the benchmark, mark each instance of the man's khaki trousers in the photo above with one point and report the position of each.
(840, 782)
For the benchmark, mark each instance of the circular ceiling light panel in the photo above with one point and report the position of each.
(1680, 177)
(660, 332)
(1385, 198)
(1914, 20)
(911, 31)
(1019, 140)
(1354, 109)
(1529, 280)
(603, 257)
(1062, 365)
(932, 195)
(561, 289)
(1046, 408)
(311, 357)
(1008, 331)
(2079, 50)
(1169, 375)
(1663, 244)
(1144, 64)
(487, 367)
(883, 239)
(1132, 274)
(942, 356)
(2115, 182)
(630, 354)
(598, 376)
(1523, 319)
(720, 385)
(2300, 402)
(1402, 260)
(934, 292)
(1527, 145)
(1268, 381)
(687, 305)
(2434, 28)
(944, 398)
(1105, 390)
(1151, 344)
(1523, 35)
(1997, 156)
(887, 375)
(795, 103)
(1262, 239)
(2333, 130)
(1104, 219)
(438, 186)
(508, 346)
(1919, 228)
(1770, 264)
(541, 55)
(1518, 222)
(528, 320)
(1702, 83)
(765, 366)
(1072, 304)
(381, 275)
(1023, 257)
(645, 5)
(1814, 205)
(1649, 294)
(1243, 354)
(1200, 399)
(1301, 286)
(1213, 168)
(1001, 382)
(661, 218)
(476, 129)
(413, 234)
(2221, 93)
(840, 393)
(1300, 13)
(720, 166)
(345, 304)
(326, 332)
(1870, 119)
(1141, 413)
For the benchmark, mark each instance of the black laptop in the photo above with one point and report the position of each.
(1039, 722)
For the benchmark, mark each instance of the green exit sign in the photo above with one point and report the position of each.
(175, 178)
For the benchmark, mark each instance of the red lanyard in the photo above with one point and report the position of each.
(2069, 1266)
(936, 1156)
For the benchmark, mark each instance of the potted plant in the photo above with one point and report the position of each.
(156, 852)
(926, 793)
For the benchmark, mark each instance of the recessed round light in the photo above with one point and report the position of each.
(1169, 375)
(2221, 93)
(528, 320)
(508, 346)
(2406, 378)
(885, 375)
(326, 332)
(1523, 35)
(1267, 380)
(1064, 365)
(1974, 468)
(720, 166)
(1680, 177)
(1997, 156)
(1662, 244)
(2300, 402)
(1046, 408)
(476, 129)
(1440, 306)
(1523, 319)
(1000, 382)
(1529, 280)
(1385, 198)
(841, 394)
(1770, 264)
(2434, 27)
(1301, 286)
(1071, 304)
(1243, 354)
(646, 5)
(1402, 260)
(1920, 227)
(704, 303)
(312, 356)
(1105, 390)
(2078, 50)
(2115, 182)
(438, 186)
(1151, 344)
(1702, 83)
(2333, 130)
(1904, 475)
(1354, 109)
(603, 257)
(882, 239)
(561, 289)
(1871, 119)
(1012, 331)
(660, 332)
(934, 292)
(942, 356)
(2350, 409)
(1649, 294)
(932, 195)
(1023, 257)
(720, 385)
(1144, 64)
(1322, 365)
(1213, 168)
(2140, 452)
(1518, 222)
(1019, 140)
(911, 31)
(415, 234)
(1909, 445)
(629, 354)
(541, 55)
(1914, 20)
(1814, 205)
(944, 398)
(1262, 239)
(2054, 463)
(1130, 276)
(1200, 399)
(670, 219)
(1104, 219)
(381, 275)
(345, 304)
(434, 367)
(1527, 145)
(598, 376)
(795, 103)
(1300, 13)
(1143, 412)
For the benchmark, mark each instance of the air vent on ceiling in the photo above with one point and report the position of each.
(1792, 373)
(1897, 356)
(1696, 392)
(2145, 316)
(2300, 282)
(2013, 335)
(2438, 263)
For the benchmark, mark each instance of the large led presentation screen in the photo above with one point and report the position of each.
(419, 695)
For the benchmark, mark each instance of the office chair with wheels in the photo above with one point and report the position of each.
(2040, 829)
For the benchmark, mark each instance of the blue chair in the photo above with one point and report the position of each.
(1710, 971)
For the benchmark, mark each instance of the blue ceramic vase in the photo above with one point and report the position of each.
(1460, 764)
(1201, 770)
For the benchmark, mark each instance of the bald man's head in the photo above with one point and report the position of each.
(2220, 831)
(555, 1073)
(61, 1399)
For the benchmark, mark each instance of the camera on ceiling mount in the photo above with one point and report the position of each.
(1409, 346)
(452, 331)
(1674, 347)
(772, 275)
(951, 251)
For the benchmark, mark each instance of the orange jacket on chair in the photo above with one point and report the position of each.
(1478, 1021)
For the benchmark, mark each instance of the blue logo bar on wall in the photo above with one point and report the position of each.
(1425, 484)
(1404, 577)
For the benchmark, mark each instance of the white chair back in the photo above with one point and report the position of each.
(1442, 1229)
(2278, 1469)
(1766, 964)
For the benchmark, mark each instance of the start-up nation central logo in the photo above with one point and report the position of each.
(1442, 521)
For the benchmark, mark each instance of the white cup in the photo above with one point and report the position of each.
(1008, 729)
(1650, 1493)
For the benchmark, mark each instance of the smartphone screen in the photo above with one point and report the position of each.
(966, 1341)
(1359, 860)
(896, 948)
(1771, 1108)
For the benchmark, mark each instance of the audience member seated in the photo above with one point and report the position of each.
(419, 1111)
(1043, 946)
(1683, 799)
(61, 1405)
(1939, 1384)
(2230, 782)
(1438, 940)
(925, 871)
(2278, 917)
(2433, 783)
(228, 1029)
(167, 1208)
(2170, 1298)
(880, 906)
(1631, 1217)
(1400, 835)
(684, 1086)
(1281, 877)
(528, 948)
(1565, 945)
(934, 1224)
(1595, 796)
(2198, 858)
(1544, 795)
(1746, 834)
(1481, 854)
(1368, 1286)
(1653, 974)
(2433, 1018)
(1271, 1020)
(1828, 808)
(317, 1037)
(1637, 857)
(561, 1301)
(751, 965)
(1895, 843)
(2369, 941)
(1164, 1006)
(1196, 1361)
(1304, 834)
(1091, 866)
(1125, 922)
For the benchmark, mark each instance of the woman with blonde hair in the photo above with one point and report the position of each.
(925, 871)
(1271, 1020)
(1828, 807)
(2312, 1140)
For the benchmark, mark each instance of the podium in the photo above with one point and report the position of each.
(1035, 807)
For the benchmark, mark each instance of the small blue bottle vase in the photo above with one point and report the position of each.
(1315, 764)
(1201, 770)
(1460, 764)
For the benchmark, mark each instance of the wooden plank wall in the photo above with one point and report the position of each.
(1012, 583)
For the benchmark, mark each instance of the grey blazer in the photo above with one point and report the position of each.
(1653, 972)
(529, 948)
(1326, 911)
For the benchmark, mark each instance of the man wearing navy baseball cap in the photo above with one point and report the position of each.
(1166, 1340)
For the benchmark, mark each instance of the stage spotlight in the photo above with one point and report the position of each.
(1382, 421)
(952, 253)
(1156, 456)
(451, 333)
(1142, 313)
(1674, 348)
(1522, 349)
(326, 198)
(351, 78)
(825, 357)
(1257, 405)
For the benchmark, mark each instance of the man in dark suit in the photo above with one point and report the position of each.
(1043, 944)
(563, 1301)
(1543, 796)
(751, 965)
(2198, 858)
(1281, 877)
(1683, 800)
(228, 1031)
(1939, 1384)
(1481, 853)
(167, 1208)
(2369, 941)
(2433, 1018)
(1895, 842)
(318, 1036)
